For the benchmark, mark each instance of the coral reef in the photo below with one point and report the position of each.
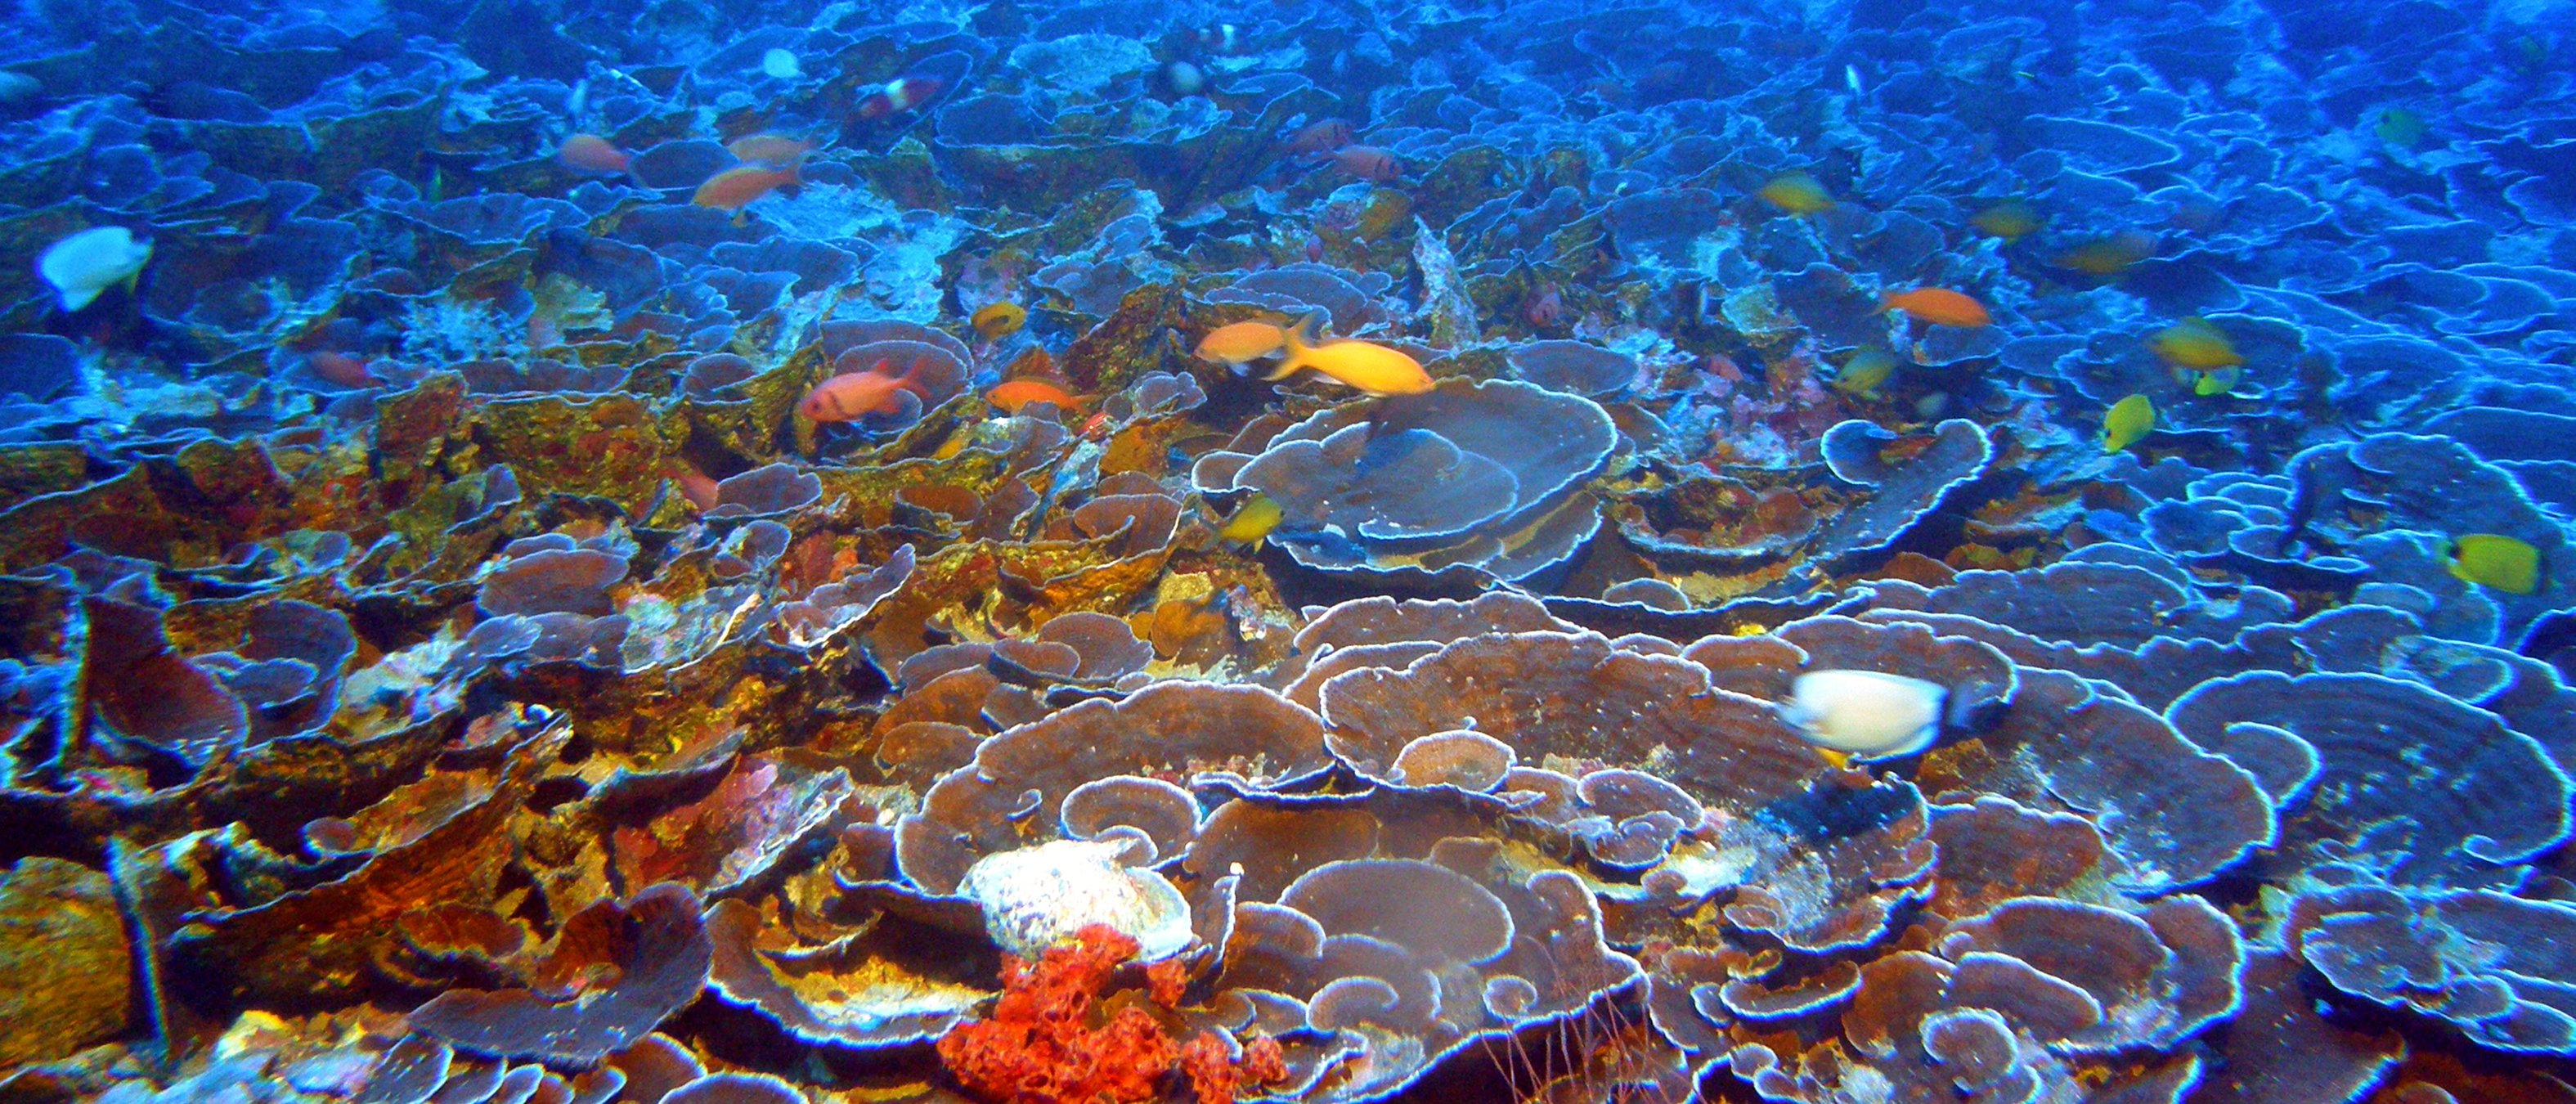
(622, 552)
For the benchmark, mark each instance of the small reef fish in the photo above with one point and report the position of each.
(591, 153)
(2010, 219)
(899, 95)
(853, 395)
(2498, 562)
(1865, 373)
(1939, 306)
(2401, 128)
(1866, 715)
(693, 485)
(1241, 343)
(2109, 256)
(996, 321)
(1012, 395)
(83, 265)
(1368, 163)
(2127, 422)
(1252, 524)
(775, 151)
(340, 368)
(735, 188)
(1320, 137)
(1371, 368)
(1798, 193)
(2195, 345)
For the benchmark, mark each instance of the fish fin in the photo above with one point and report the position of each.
(1287, 367)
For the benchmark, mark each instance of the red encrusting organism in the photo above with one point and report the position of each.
(1049, 1043)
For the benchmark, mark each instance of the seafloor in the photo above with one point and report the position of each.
(587, 551)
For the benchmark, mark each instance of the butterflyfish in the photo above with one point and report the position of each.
(2127, 422)
(1866, 715)
(85, 264)
(2501, 563)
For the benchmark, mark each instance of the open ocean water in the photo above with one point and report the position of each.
(758, 552)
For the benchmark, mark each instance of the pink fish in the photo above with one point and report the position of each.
(591, 153)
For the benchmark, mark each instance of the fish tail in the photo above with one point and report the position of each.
(1298, 346)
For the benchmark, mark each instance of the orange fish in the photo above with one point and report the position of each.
(1320, 137)
(1368, 163)
(735, 188)
(1939, 306)
(340, 368)
(692, 484)
(774, 151)
(592, 154)
(853, 395)
(900, 95)
(1013, 395)
(1242, 343)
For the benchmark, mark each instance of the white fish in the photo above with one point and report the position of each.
(1866, 714)
(81, 266)
(781, 64)
(1851, 76)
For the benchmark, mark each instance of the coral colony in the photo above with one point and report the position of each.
(755, 552)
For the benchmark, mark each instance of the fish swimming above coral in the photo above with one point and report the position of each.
(1368, 367)
(83, 265)
(850, 396)
(1142, 553)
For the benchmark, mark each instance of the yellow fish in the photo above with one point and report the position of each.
(1000, 320)
(2110, 256)
(1797, 193)
(1865, 372)
(2196, 345)
(2127, 422)
(2503, 563)
(1371, 368)
(2219, 382)
(2008, 220)
(1253, 522)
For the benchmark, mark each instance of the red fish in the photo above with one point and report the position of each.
(853, 395)
(692, 484)
(591, 153)
(900, 95)
(1368, 163)
(1320, 137)
(340, 368)
(734, 188)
